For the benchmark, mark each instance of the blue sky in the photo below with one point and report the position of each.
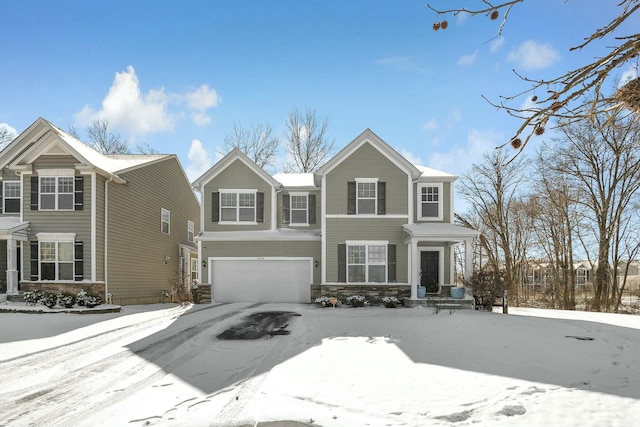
(177, 75)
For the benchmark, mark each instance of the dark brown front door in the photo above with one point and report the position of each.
(429, 271)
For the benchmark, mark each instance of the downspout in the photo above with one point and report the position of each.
(106, 228)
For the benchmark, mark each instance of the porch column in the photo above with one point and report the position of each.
(414, 266)
(12, 266)
(468, 259)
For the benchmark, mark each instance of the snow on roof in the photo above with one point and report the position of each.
(295, 179)
(109, 163)
(429, 172)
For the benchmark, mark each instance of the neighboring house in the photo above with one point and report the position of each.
(367, 222)
(72, 218)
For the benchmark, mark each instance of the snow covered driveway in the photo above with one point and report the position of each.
(337, 367)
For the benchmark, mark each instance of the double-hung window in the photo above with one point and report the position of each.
(430, 201)
(366, 195)
(239, 206)
(165, 219)
(56, 260)
(366, 262)
(12, 196)
(299, 204)
(56, 192)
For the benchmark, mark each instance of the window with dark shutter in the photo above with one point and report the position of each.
(34, 193)
(312, 208)
(351, 198)
(259, 207)
(342, 262)
(382, 209)
(391, 263)
(78, 261)
(215, 206)
(78, 193)
(35, 264)
(285, 208)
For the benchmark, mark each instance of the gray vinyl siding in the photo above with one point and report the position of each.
(307, 249)
(236, 176)
(72, 221)
(367, 162)
(141, 260)
(99, 244)
(340, 230)
(318, 223)
(447, 198)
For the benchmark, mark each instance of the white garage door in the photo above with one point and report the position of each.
(261, 280)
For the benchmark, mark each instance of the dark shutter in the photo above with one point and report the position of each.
(34, 193)
(342, 262)
(78, 263)
(1, 198)
(285, 208)
(35, 273)
(382, 208)
(215, 206)
(312, 208)
(351, 197)
(391, 263)
(78, 193)
(259, 207)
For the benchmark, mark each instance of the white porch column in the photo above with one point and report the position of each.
(12, 266)
(468, 259)
(413, 268)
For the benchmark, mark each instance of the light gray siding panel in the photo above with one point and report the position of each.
(264, 249)
(367, 162)
(142, 261)
(341, 230)
(236, 176)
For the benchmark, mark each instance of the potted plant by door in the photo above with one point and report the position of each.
(457, 292)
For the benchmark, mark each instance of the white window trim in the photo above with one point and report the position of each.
(191, 230)
(4, 196)
(368, 243)
(440, 187)
(298, 224)
(375, 199)
(238, 192)
(56, 237)
(57, 174)
(162, 221)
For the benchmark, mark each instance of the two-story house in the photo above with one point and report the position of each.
(122, 226)
(366, 222)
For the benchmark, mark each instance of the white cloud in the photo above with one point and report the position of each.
(199, 160)
(496, 44)
(627, 76)
(470, 59)
(532, 55)
(411, 157)
(430, 125)
(129, 109)
(459, 159)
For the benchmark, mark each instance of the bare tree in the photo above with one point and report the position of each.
(102, 139)
(564, 102)
(6, 136)
(492, 189)
(257, 142)
(308, 144)
(604, 162)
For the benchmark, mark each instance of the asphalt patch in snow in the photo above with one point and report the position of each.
(260, 325)
(580, 338)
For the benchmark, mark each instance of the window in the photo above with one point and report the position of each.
(430, 201)
(190, 231)
(238, 206)
(12, 196)
(56, 260)
(166, 220)
(299, 209)
(366, 197)
(56, 192)
(366, 263)
(194, 269)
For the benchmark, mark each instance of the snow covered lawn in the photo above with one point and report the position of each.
(163, 365)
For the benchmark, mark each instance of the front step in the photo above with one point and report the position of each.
(16, 298)
(204, 294)
(444, 303)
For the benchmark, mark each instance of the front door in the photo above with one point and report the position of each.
(429, 271)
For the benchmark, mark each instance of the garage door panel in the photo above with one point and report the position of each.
(265, 280)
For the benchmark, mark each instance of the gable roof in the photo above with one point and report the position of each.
(42, 137)
(227, 160)
(369, 137)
